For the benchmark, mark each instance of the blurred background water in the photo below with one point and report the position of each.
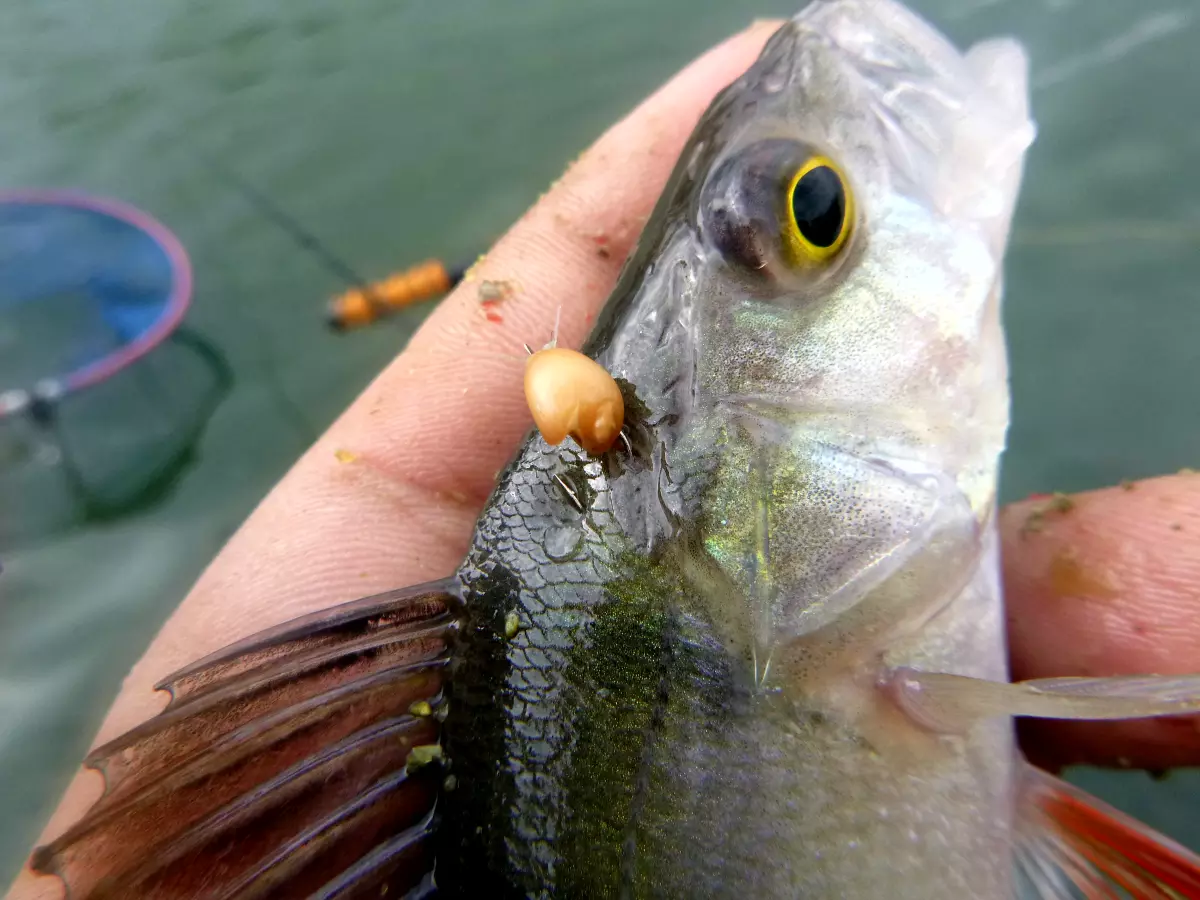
(399, 131)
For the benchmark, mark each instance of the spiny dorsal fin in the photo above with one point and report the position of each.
(281, 767)
(1071, 844)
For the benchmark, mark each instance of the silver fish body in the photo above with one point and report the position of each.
(813, 504)
(755, 650)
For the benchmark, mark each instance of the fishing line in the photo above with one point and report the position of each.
(365, 302)
(304, 238)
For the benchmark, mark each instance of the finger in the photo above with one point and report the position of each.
(389, 494)
(1105, 583)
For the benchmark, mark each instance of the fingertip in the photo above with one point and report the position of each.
(1117, 567)
(1104, 583)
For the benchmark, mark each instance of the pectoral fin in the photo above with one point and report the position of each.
(951, 703)
(281, 767)
(1069, 844)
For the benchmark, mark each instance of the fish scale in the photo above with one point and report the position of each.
(553, 601)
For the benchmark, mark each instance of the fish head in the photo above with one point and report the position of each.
(848, 203)
(813, 314)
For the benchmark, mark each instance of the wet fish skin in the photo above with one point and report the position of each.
(760, 652)
(683, 710)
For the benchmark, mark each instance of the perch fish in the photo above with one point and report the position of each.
(754, 649)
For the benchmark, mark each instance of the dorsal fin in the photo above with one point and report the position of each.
(281, 766)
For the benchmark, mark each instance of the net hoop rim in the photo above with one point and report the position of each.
(175, 308)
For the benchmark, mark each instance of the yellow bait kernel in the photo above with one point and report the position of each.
(571, 395)
(512, 624)
(420, 708)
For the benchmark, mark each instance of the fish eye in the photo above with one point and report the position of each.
(819, 211)
(779, 211)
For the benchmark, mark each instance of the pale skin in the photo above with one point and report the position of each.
(389, 495)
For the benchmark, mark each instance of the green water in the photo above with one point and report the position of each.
(404, 130)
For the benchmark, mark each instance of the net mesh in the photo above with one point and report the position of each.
(105, 395)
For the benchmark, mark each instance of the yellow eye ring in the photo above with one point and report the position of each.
(818, 212)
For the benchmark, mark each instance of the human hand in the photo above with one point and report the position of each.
(389, 495)
(1104, 583)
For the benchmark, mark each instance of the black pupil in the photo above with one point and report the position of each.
(819, 205)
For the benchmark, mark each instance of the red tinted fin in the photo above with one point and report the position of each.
(1071, 844)
(281, 766)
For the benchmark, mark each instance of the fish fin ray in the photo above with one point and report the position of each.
(946, 702)
(410, 604)
(1069, 843)
(375, 873)
(281, 763)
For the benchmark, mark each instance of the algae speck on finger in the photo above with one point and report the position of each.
(1059, 503)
